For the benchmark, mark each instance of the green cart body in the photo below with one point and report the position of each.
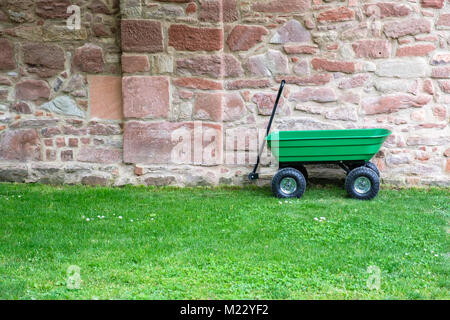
(351, 149)
(326, 146)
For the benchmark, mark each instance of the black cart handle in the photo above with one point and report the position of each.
(253, 175)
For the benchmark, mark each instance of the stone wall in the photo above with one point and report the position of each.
(110, 103)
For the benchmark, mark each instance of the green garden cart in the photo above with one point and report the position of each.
(350, 149)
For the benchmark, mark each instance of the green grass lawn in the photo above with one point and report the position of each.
(221, 243)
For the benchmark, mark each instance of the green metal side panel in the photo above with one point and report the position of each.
(326, 145)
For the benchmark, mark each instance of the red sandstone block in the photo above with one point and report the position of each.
(299, 49)
(314, 94)
(436, 4)
(399, 28)
(149, 142)
(249, 83)
(66, 155)
(44, 59)
(441, 72)
(172, 142)
(215, 66)
(387, 9)
(99, 155)
(233, 108)
(372, 49)
(243, 38)
(445, 85)
(196, 83)
(191, 8)
(428, 86)
(52, 9)
(50, 155)
(390, 104)
(284, 6)
(218, 10)
(89, 58)
(336, 15)
(444, 20)
(415, 51)
(139, 171)
(183, 37)
(73, 142)
(145, 97)
(440, 112)
(60, 142)
(20, 145)
(333, 66)
(208, 106)
(32, 90)
(133, 64)
(106, 97)
(48, 142)
(230, 11)
(427, 38)
(142, 36)
(354, 82)
(85, 140)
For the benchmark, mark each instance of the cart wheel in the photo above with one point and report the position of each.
(253, 176)
(362, 183)
(300, 168)
(373, 166)
(288, 183)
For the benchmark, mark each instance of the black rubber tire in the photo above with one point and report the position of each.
(373, 166)
(300, 168)
(252, 176)
(292, 173)
(362, 172)
(303, 170)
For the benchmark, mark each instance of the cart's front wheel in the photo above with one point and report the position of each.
(362, 183)
(288, 183)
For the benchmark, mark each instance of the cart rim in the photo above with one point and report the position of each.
(362, 185)
(288, 185)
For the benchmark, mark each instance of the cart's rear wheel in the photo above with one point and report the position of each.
(362, 183)
(373, 166)
(288, 183)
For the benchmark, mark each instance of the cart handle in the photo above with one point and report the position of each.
(253, 175)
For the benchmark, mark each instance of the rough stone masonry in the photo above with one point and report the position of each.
(99, 105)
